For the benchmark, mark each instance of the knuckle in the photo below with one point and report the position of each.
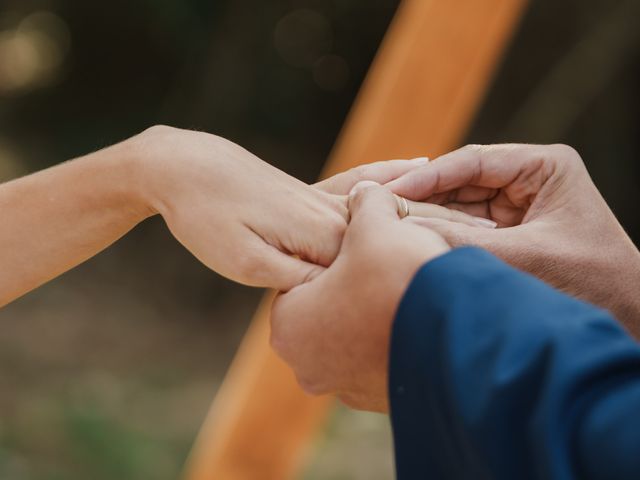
(157, 135)
(474, 148)
(477, 151)
(354, 174)
(338, 206)
(335, 228)
(361, 172)
(503, 149)
(565, 153)
(160, 130)
(355, 200)
(360, 195)
(250, 268)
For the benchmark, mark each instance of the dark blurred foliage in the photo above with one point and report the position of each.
(108, 371)
(219, 66)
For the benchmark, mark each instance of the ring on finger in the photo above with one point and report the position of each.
(403, 206)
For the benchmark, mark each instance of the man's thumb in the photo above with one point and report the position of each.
(371, 200)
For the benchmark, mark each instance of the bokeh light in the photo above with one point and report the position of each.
(32, 52)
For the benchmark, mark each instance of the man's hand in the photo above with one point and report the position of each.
(555, 224)
(386, 171)
(334, 330)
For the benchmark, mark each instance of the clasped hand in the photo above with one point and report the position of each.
(334, 330)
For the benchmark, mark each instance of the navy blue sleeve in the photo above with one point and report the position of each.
(493, 374)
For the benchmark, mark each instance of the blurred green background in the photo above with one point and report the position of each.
(108, 371)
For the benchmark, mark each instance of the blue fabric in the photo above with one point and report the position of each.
(493, 374)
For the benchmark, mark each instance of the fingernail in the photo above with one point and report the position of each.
(421, 160)
(485, 222)
(363, 184)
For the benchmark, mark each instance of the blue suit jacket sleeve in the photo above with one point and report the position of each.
(493, 374)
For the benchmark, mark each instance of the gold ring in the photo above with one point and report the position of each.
(403, 206)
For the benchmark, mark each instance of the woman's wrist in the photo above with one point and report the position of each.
(130, 175)
(168, 163)
(150, 178)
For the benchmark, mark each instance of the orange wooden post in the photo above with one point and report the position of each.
(419, 98)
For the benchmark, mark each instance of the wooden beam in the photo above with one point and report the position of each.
(419, 98)
(260, 423)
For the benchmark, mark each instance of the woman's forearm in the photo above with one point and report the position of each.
(238, 215)
(57, 218)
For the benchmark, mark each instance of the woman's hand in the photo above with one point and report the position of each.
(242, 217)
(238, 215)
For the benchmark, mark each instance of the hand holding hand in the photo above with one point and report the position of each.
(334, 330)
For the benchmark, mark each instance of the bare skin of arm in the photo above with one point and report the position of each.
(60, 217)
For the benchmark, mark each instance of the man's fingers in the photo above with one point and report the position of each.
(430, 210)
(478, 210)
(379, 172)
(487, 166)
(456, 234)
(467, 194)
(374, 201)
